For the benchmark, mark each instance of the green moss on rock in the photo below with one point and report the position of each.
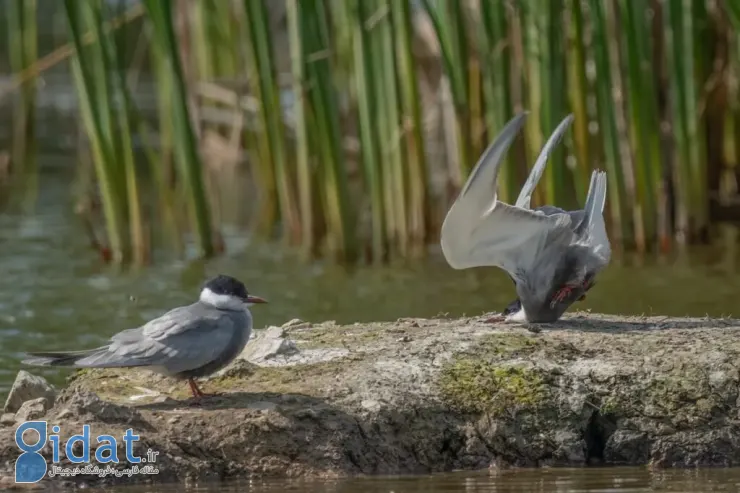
(508, 345)
(473, 385)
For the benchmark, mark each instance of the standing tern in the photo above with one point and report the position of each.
(552, 255)
(185, 343)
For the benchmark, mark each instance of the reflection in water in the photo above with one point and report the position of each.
(553, 480)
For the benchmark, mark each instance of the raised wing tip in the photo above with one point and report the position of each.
(491, 158)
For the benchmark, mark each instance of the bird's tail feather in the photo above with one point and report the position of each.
(58, 358)
(91, 358)
(595, 200)
(525, 195)
(596, 194)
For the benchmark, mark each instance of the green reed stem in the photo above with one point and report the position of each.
(96, 118)
(368, 135)
(495, 49)
(448, 20)
(271, 112)
(186, 151)
(554, 93)
(643, 118)
(392, 129)
(607, 119)
(325, 108)
(678, 66)
(579, 92)
(305, 185)
(411, 124)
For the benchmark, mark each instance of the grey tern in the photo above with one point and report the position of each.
(551, 255)
(187, 342)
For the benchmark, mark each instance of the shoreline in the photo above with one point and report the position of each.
(421, 396)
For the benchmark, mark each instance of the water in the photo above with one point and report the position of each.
(552, 480)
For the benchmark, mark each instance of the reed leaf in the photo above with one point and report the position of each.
(271, 113)
(325, 109)
(643, 118)
(495, 48)
(554, 94)
(391, 149)
(186, 151)
(368, 134)
(22, 54)
(305, 185)
(96, 117)
(447, 18)
(411, 125)
(579, 92)
(607, 119)
(674, 15)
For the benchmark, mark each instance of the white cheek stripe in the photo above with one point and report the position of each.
(223, 301)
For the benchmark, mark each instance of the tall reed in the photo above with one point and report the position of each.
(635, 75)
(449, 23)
(295, 18)
(410, 130)
(91, 68)
(185, 146)
(327, 138)
(273, 145)
(21, 17)
(495, 49)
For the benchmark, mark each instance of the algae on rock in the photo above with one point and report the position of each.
(475, 386)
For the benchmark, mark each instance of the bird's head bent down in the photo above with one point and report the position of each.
(561, 276)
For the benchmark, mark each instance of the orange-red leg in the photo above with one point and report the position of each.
(194, 389)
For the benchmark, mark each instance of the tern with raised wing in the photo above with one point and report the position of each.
(553, 256)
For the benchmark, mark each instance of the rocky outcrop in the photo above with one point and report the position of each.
(416, 395)
(28, 387)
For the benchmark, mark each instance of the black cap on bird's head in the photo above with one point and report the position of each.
(229, 286)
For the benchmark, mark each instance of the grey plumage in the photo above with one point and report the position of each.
(186, 342)
(552, 255)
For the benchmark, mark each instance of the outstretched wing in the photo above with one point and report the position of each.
(479, 230)
(525, 195)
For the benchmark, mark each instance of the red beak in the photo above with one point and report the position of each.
(255, 299)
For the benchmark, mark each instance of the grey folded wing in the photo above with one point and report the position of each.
(182, 339)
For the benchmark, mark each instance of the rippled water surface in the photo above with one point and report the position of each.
(554, 480)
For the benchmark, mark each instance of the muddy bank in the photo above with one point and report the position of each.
(418, 395)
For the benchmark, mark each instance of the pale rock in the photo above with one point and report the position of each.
(33, 409)
(28, 387)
